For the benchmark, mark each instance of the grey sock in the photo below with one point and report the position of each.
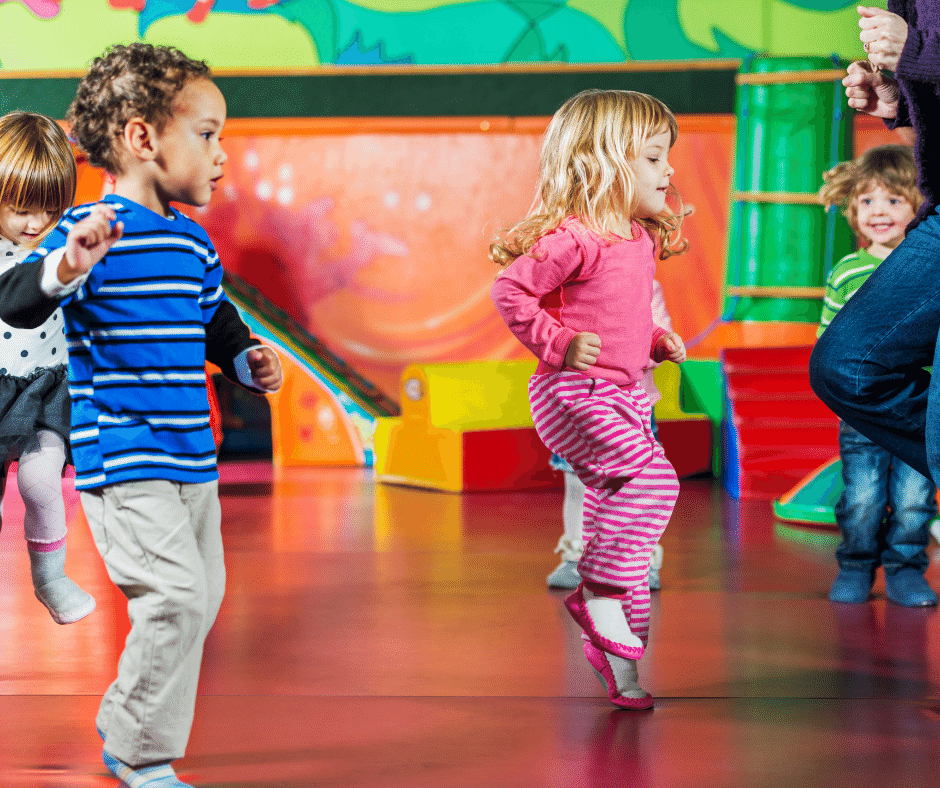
(66, 602)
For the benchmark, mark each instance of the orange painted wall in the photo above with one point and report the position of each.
(373, 233)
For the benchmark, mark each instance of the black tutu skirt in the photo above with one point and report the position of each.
(27, 405)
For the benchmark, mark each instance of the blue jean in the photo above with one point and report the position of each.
(885, 512)
(868, 366)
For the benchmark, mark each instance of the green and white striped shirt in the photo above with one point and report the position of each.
(847, 276)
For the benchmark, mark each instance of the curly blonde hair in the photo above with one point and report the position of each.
(136, 80)
(585, 171)
(37, 166)
(891, 166)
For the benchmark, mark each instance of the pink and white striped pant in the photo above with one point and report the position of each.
(604, 431)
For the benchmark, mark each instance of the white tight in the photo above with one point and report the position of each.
(39, 479)
(573, 508)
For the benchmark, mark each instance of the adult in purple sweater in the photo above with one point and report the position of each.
(869, 364)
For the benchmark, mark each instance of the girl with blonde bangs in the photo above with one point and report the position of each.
(37, 186)
(576, 289)
(37, 167)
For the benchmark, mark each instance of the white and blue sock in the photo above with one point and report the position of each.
(160, 775)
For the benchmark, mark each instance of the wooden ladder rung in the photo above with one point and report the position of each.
(791, 77)
(756, 291)
(785, 198)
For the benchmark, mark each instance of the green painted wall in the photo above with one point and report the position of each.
(288, 34)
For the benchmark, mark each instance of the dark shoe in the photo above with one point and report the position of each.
(851, 586)
(908, 587)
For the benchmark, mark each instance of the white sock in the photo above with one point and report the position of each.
(656, 561)
(65, 601)
(571, 545)
(626, 675)
(609, 620)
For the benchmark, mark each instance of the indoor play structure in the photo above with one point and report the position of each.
(467, 427)
(352, 274)
(464, 427)
(325, 413)
(746, 382)
(792, 126)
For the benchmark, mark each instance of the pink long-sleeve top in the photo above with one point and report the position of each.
(571, 281)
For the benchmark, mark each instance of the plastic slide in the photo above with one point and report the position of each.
(813, 500)
(325, 413)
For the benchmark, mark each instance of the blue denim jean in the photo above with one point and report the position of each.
(868, 366)
(885, 512)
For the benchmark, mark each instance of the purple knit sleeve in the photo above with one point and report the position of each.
(903, 118)
(920, 58)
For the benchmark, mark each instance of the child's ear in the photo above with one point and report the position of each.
(140, 139)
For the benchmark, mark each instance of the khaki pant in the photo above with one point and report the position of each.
(162, 544)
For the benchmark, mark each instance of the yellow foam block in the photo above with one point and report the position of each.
(468, 395)
(668, 376)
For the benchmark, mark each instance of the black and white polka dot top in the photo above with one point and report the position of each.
(25, 350)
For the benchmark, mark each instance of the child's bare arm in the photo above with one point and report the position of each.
(583, 350)
(88, 241)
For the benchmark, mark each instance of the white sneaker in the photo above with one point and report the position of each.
(569, 549)
(565, 575)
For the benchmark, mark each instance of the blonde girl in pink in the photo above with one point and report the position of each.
(576, 290)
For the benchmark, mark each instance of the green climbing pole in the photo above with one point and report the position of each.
(793, 124)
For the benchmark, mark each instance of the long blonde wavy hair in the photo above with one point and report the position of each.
(585, 171)
(891, 166)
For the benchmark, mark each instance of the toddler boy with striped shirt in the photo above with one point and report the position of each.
(885, 511)
(140, 286)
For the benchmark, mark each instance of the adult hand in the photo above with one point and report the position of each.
(88, 241)
(583, 350)
(871, 91)
(883, 35)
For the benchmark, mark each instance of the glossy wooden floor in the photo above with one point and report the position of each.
(384, 637)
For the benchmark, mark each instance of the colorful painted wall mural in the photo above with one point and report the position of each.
(240, 34)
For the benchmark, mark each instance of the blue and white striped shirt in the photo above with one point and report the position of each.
(136, 331)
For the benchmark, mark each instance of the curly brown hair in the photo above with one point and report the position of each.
(891, 166)
(127, 81)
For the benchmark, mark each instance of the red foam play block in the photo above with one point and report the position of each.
(513, 459)
(688, 445)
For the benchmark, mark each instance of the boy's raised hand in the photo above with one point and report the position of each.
(583, 350)
(88, 241)
(265, 368)
(669, 347)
